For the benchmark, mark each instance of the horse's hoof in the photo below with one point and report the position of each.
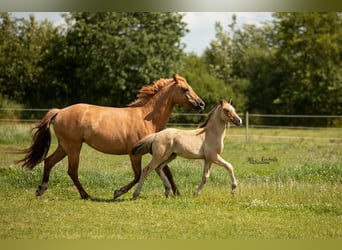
(41, 189)
(118, 193)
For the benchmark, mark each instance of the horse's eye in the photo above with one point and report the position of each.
(185, 90)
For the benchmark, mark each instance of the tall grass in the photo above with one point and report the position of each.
(290, 191)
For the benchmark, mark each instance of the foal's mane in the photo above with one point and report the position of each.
(209, 116)
(147, 92)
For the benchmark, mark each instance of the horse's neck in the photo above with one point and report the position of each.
(158, 111)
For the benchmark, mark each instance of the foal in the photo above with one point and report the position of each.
(204, 143)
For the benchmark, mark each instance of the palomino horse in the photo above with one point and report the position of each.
(109, 130)
(204, 143)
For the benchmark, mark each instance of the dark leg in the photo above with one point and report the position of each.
(136, 166)
(49, 163)
(168, 174)
(73, 173)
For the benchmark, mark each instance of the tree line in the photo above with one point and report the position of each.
(290, 65)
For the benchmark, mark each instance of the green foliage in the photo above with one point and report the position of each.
(5, 106)
(23, 45)
(289, 66)
(209, 87)
(309, 52)
(111, 55)
(102, 57)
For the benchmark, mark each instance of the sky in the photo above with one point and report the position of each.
(201, 25)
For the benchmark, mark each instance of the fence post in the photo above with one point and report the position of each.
(247, 124)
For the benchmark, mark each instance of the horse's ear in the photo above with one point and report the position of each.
(175, 77)
(221, 101)
(230, 101)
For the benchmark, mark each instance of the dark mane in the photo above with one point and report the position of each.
(208, 117)
(147, 92)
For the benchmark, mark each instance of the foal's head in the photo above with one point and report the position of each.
(228, 113)
(184, 95)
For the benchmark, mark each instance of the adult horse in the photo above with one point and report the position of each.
(107, 129)
(204, 143)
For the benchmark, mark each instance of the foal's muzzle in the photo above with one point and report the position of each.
(237, 122)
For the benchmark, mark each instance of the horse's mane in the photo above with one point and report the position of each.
(209, 116)
(147, 92)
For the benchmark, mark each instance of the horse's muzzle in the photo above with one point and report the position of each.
(199, 105)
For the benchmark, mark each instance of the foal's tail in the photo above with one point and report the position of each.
(144, 146)
(40, 142)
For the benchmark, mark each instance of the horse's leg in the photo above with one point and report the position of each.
(49, 163)
(205, 176)
(73, 160)
(220, 161)
(136, 166)
(169, 176)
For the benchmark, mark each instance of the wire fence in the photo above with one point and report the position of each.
(302, 127)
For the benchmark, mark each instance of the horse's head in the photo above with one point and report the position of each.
(184, 95)
(228, 112)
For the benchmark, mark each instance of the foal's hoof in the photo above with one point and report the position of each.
(234, 186)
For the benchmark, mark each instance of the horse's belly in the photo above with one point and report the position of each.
(108, 144)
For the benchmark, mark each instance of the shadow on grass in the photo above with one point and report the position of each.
(106, 200)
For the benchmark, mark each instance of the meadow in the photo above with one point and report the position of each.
(289, 188)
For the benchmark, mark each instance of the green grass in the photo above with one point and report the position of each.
(297, 195)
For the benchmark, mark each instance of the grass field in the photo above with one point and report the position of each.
(288, 189)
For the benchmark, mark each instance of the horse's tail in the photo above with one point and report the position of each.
(40, 142)
(144, 146)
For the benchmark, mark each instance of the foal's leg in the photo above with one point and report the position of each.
(49, 163)
(164, 177)
(136, 166)
(154, 163)
(205, 176)
(220, 161)
(165, 180)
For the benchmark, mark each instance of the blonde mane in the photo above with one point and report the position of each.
(147, 92)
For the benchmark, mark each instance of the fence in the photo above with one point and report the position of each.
(254, 125)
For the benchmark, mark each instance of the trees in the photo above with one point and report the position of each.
(290, 66)
(102, 57)
(309, 52)
(108, 56)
